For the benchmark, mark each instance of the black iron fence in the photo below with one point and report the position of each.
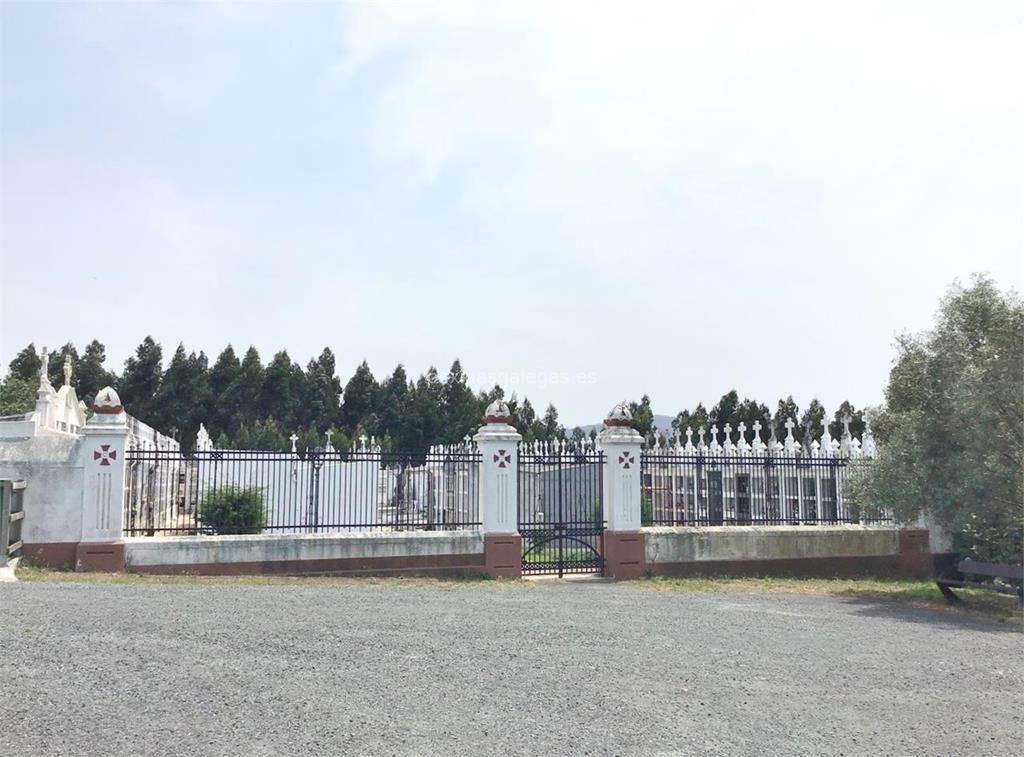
(560, 508)
(12, 514)
(715, 490)
(248, 491)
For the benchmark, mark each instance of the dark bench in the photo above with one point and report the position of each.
(968, 568)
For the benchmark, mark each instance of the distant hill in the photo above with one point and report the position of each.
(661, 422)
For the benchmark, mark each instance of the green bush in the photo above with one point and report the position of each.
(646, 509)
(233, 510)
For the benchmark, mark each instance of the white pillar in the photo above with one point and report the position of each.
(621, 445)
(624, 542)
(499, 484)
(105, 439)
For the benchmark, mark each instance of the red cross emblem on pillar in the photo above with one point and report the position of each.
(503, 458)
(104, 454)
(626, 459)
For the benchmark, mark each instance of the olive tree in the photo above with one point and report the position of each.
(951, 434)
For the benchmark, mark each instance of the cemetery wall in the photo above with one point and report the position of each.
(444, 553)
(819, 551)
(53, 499)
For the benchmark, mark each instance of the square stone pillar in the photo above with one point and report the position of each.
(498, 443)
(104, 442)
(623, 538)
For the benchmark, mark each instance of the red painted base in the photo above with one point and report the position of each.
(503, 555)
(624, 555)
(446, 566)
(106, 557)
(59, 555)
(915, 557)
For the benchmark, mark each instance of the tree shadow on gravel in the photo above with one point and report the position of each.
(996, 614)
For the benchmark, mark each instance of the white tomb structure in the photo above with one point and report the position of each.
(302, 493)
(743, 479)
(57, 411)
(58, 450)
(313, 491)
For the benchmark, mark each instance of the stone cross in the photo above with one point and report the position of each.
(700, 436)
(44, 370)
(757, 429)
(329, 432)
(846, 424)
(293, 438)
(67, 370)
(689, 435)
(790, 424)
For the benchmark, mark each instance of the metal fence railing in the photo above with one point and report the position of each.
(681, 489)
(250, 491)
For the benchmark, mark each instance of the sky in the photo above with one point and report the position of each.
(582, 201)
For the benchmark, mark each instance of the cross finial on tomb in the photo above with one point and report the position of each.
(293, 438)
(790, 424)
(67, 370)
(756, 427)
(846, 424)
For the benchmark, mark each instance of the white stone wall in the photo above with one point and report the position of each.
(143, 436)
(51, 465)
(155, 551)
(734, 543)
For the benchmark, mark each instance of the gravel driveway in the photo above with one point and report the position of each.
(557, 668)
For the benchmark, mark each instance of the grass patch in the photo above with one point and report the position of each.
(33, 573)
(923, 594)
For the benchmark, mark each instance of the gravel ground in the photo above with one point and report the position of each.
(557, 668)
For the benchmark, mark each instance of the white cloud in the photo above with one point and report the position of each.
(645, 89)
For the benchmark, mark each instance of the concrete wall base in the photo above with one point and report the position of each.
(433, 553)
(438, 566)
(503, 555)
(107, 557)
(808, 567)
(808, 552)
(624, 554)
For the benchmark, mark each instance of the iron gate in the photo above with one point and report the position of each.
(561, 508)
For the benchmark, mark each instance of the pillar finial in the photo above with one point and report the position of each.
(619, 415)
(498, 412)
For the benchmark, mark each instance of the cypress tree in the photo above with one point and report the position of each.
(141, 380)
